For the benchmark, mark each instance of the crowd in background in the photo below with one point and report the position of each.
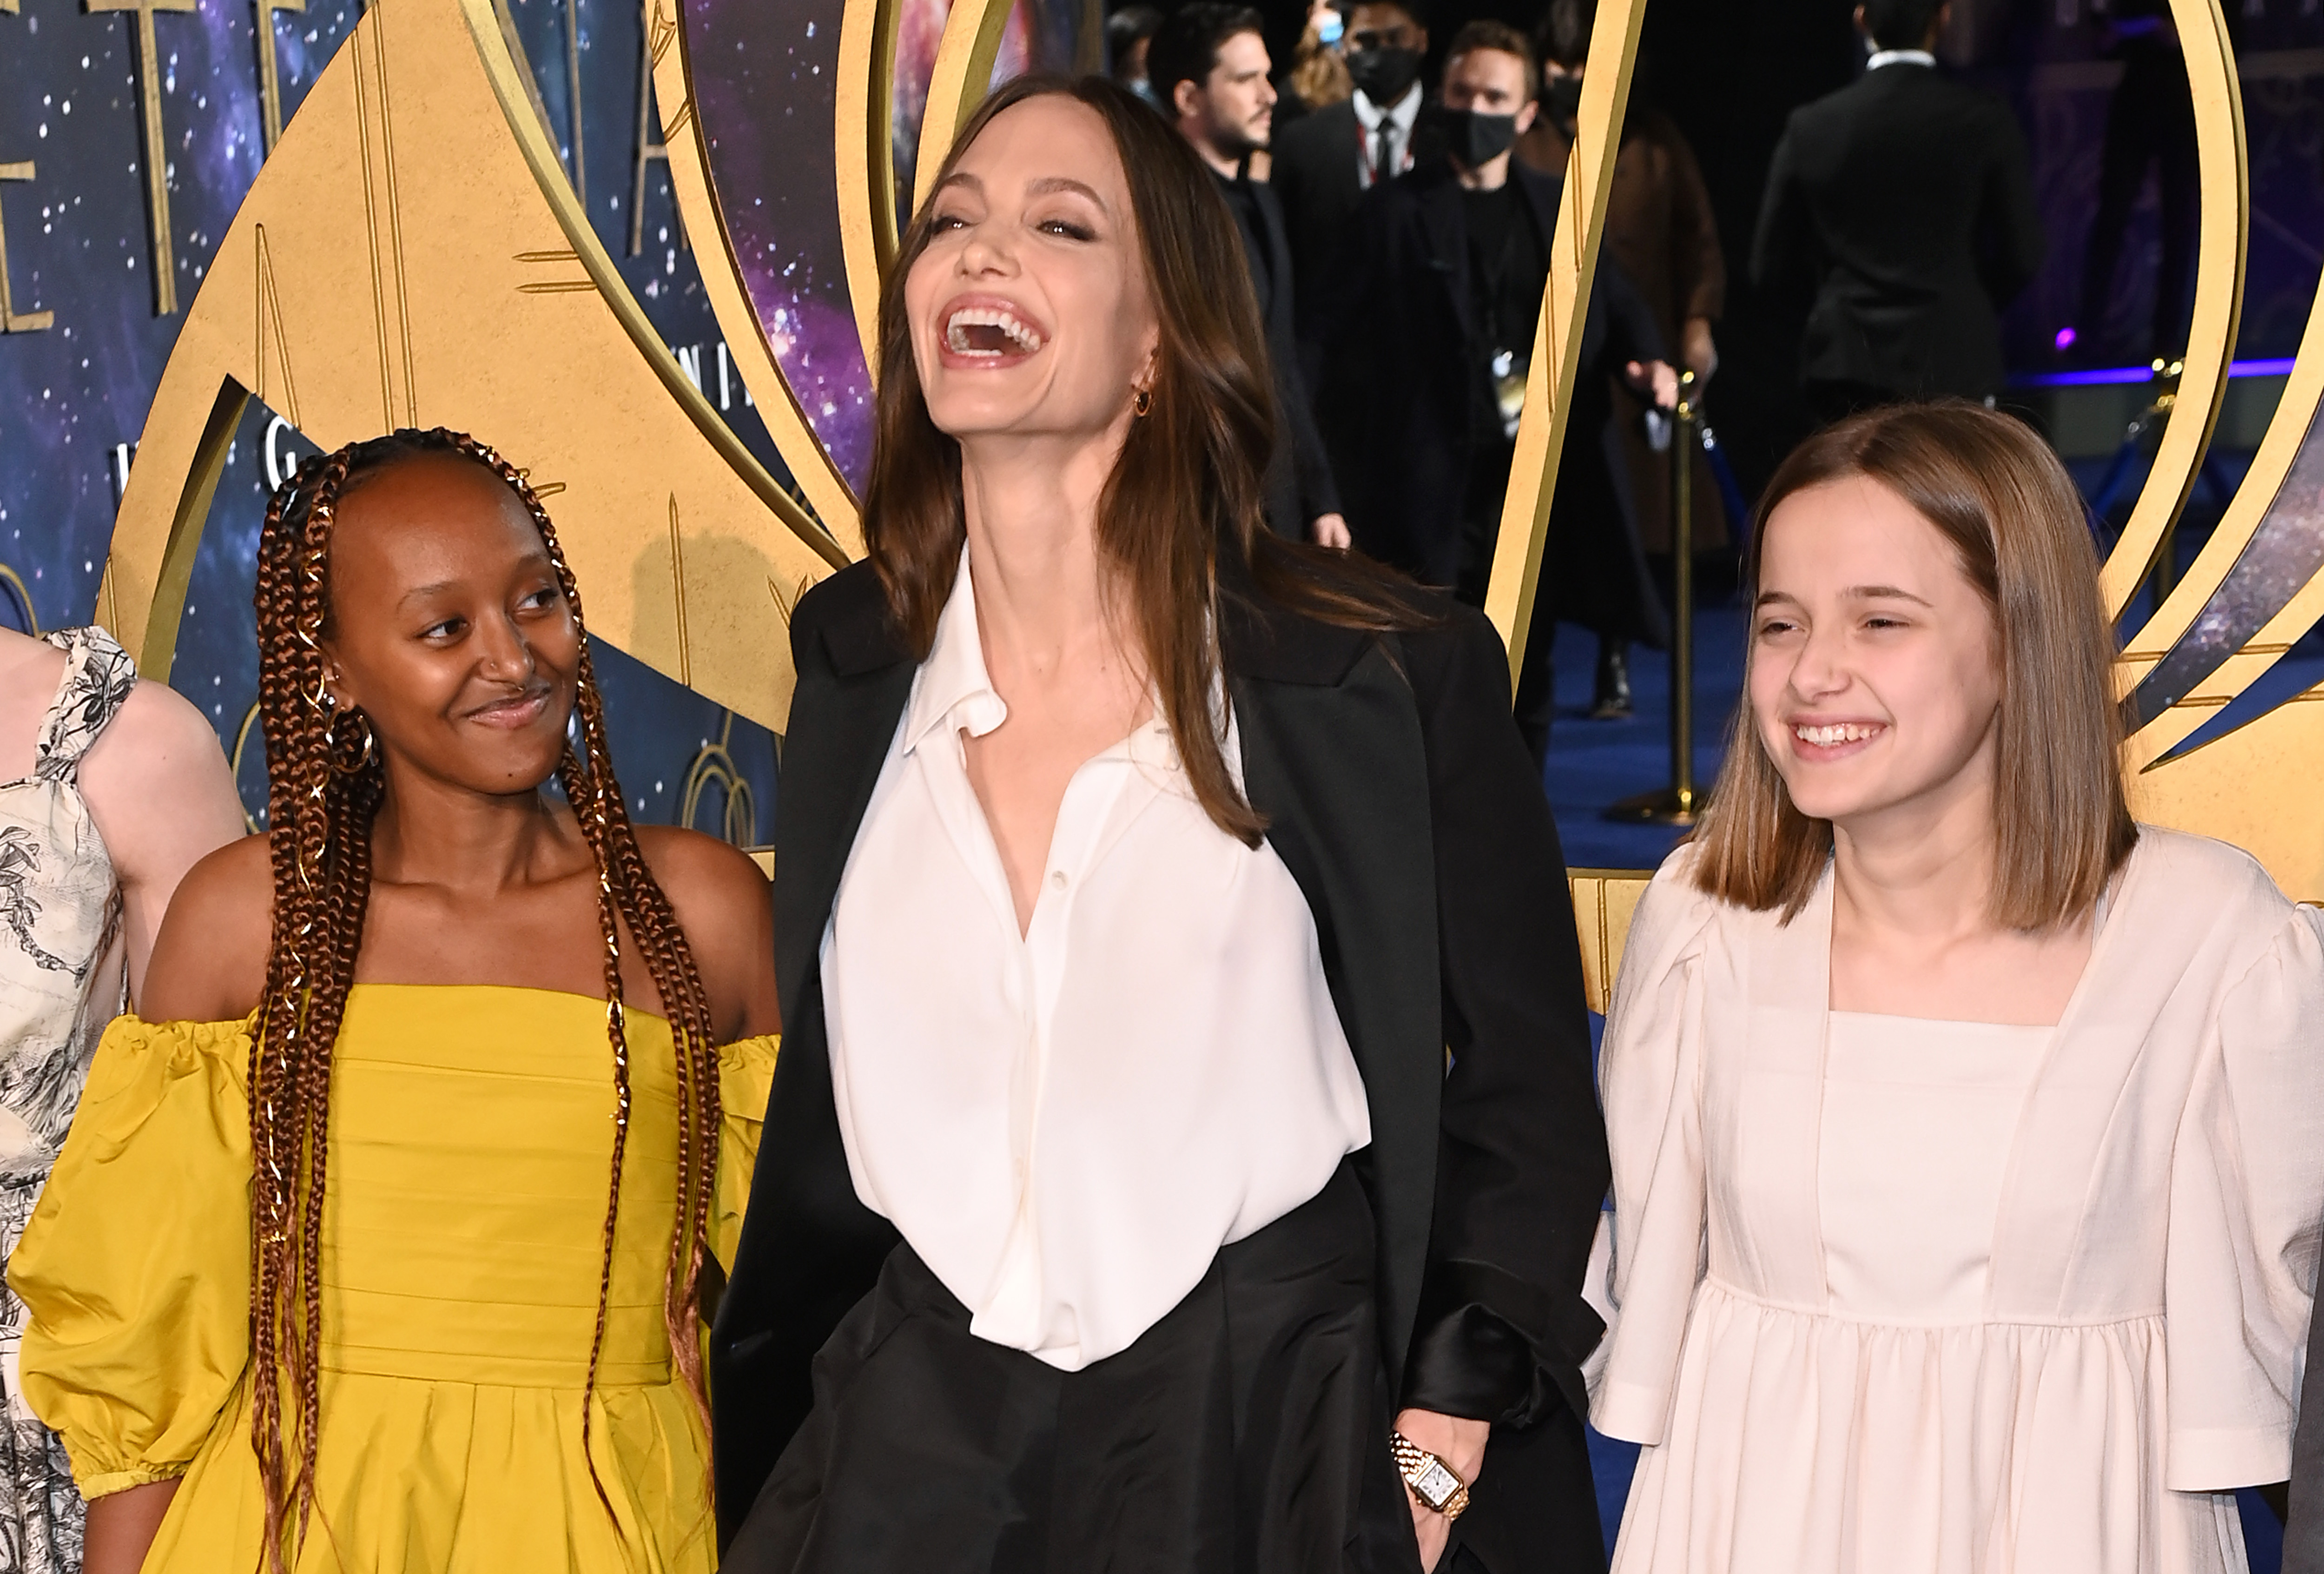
(1397, 191)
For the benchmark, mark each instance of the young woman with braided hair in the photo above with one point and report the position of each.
(332, 1271)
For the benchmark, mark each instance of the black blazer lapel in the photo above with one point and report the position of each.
(842, 719)
(1333, 756)
(813, 1248)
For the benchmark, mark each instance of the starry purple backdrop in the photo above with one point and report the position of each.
(763, 75)
(78, 244)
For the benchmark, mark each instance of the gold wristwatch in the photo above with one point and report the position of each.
(1432, 1480)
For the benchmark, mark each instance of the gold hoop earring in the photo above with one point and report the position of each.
(1141, 401)
(331, 743)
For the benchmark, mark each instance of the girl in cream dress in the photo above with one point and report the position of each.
(1967, 1138)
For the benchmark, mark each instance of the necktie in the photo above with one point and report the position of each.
(1383, 151)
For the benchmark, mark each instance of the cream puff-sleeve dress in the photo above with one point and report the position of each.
(1951, 1298)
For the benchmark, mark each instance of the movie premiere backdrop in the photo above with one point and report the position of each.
(129, 134)
(131, 130)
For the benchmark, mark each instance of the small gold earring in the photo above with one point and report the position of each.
(1141, 401)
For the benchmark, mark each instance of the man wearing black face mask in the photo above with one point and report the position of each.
(1327, 161)
(1442, 310)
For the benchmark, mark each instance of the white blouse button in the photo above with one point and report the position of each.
(1057, 879)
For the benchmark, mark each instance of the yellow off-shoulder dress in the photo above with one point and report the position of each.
(471, 1137)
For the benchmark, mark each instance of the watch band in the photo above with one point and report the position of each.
(1435, 1484)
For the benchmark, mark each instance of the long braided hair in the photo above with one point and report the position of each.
(326, 779)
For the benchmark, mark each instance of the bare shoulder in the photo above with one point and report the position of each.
(157, 744)
(702, 871)
(209, 963)
(724, 905)
(30, 665)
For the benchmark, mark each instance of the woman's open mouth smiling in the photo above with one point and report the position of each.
(987, 332)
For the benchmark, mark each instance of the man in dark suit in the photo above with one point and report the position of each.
(1440, 311)
(1904, 202)
(1209, 66)
(1321, 168)
(1327, 161)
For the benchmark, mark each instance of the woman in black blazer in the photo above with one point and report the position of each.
(905, 1379)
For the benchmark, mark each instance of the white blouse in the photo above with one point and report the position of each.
(1067, 1125)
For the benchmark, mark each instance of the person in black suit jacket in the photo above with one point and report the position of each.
(1326, 161)
(1072, 438)
(1440, 312)
(1209, 64)
(1321, 166)
(1905, 203)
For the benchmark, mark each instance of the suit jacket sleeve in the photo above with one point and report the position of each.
(1310, 466)
(1521, 1166)
(2011, 220)
(1630, 332)
(1317, 493)
(1779, 249)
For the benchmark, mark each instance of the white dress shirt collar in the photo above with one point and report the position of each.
(1899, 58)
(955, 686)
(953, 683)
(1402, 113)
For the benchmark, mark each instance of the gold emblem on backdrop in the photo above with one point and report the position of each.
(413, 253)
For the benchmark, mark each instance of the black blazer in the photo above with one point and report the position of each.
(1398, 795)
(1298, 476)
(1905, 204)
(1403, 314)
(1313, 168)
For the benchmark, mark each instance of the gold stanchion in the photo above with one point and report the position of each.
(1682, 802)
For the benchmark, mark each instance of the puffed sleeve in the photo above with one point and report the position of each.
(136, 1264)
(746, 1078)
(2247, 1200)
(1650, 1080)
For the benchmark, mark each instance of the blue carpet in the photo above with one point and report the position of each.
(1593, 763)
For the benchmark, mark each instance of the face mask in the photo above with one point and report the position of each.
(1562, 98)
(1328, 31)
(1385, 74)
(1473, 138)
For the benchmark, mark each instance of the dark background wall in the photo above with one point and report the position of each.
(1730, 72)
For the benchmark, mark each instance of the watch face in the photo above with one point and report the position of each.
(1436, 1485)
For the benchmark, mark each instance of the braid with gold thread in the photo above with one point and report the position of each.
(325, 783)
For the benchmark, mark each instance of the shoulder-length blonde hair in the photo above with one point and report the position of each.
(2061, 827)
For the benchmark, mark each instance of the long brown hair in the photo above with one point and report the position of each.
(1188, 489)
(325, 779)
(1996, 492)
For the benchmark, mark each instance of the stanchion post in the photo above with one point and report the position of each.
(1682, 802)
(1683, 446)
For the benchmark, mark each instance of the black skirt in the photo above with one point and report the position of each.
(1247, 1430)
